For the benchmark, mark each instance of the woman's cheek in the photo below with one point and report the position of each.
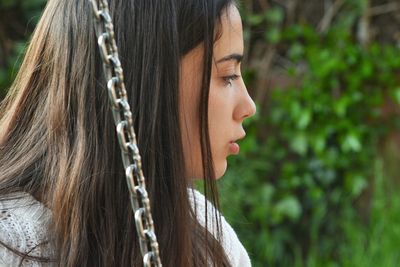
(219, 127)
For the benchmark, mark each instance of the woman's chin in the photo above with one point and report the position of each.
(220, 169)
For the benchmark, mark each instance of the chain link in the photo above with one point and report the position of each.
(126, 136)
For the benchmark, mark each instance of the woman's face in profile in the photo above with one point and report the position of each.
(229, 102)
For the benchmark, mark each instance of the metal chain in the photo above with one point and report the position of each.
(127, 139)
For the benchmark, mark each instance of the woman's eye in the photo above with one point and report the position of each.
(229, 79)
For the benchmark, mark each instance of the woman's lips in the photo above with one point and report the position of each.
(234, 148)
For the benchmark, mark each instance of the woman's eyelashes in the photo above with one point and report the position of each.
(229, 79)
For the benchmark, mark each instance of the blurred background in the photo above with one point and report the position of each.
(317, 182)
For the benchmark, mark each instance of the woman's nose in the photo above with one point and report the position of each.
(246, 106)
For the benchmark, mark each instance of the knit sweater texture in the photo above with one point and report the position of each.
(24, 225)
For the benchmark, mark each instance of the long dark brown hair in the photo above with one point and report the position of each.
(58, 142)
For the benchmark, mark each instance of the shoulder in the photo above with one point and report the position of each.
(23, 226)
(230, 241)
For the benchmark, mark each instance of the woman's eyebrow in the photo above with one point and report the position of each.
(237, 57)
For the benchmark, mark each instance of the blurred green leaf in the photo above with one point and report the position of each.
(351, 142)
(273, 35)
(288, 207)
(255, 19)
(396, 95)
(275, 15)
(299, 143)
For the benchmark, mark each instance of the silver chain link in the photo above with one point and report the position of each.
(126, 136)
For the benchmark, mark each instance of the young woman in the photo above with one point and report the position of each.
(63, 194)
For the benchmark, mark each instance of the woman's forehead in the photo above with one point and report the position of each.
(231, 39)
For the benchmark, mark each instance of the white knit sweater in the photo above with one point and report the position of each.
(24, 222)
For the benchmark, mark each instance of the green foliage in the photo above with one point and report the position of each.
(375, 244)
(24, 16)
(7, 74)
(304, 164)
